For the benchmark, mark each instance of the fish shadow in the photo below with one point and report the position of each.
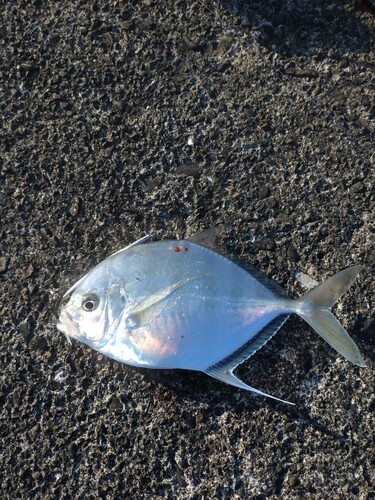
(199, 388)
(367, 336)
(303, 28)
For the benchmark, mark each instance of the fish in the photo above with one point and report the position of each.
(179, 304)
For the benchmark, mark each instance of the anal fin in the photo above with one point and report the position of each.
(228, 377)
(252, 345)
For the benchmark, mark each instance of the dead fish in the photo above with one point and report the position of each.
(178, 304)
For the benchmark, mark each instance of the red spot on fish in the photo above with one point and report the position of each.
(186, 249)
(176, 249)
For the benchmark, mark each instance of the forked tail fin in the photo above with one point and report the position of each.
(314, 309)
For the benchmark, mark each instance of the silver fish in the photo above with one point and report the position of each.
(178, 304)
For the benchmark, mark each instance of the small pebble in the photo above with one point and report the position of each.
(75, 206)
(115, 404)
(190, 44)
(358, 187)
(292, 253)
(366, 101)
(344, 63)
(293, 480)
(16, 397)
(189, 170)
(29, 270)
(38, 344)
(225, 42)
(264, 192)
(4, 261)
(302, 72)
(266, 244)
(305, 280)
(154, 182)
(71, 450)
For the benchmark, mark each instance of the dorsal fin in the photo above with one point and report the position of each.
(260, 276)
(200, 239)
(208, 237)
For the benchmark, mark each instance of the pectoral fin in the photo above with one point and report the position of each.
(151, 306)
(226, 375)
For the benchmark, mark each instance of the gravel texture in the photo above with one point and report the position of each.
(167, 117)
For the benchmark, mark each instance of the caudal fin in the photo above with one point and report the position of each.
(314, 310)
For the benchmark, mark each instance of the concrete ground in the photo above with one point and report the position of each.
(168, 117)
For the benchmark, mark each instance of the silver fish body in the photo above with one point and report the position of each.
(177, 304)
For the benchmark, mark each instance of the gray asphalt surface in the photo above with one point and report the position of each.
(168, 117)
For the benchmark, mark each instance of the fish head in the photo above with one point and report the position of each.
(92, 310)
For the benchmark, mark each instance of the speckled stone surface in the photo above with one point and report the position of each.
(167, 117)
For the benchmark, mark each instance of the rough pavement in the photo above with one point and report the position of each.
(167, 117)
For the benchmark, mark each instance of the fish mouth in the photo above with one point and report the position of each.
(67, 325)
(60, 302)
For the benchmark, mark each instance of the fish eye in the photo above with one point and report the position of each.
(90, 303)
